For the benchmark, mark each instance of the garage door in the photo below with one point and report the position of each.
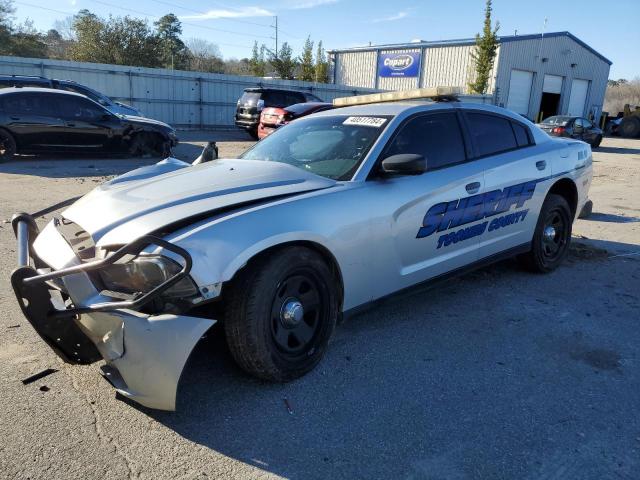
(552, 84)
(519, 91)
(578, 97)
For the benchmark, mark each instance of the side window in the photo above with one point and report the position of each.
(27, 104)
(437, 137)
(297, 98)
(274, 99)
(586, 123)
(491, 134)
(522, 137)
(82, 91)
(78, 108)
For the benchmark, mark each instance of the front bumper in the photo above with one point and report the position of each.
(145, 354)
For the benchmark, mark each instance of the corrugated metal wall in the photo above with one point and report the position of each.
(561, 53)
(441, 65)
(451, 66)
(356, 69)
(182, 99)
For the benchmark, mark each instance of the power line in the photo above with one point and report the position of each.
(248, 22)
(45, 8)
(184, 23)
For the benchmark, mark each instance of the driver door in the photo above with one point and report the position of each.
(87, 125)
(422, 226)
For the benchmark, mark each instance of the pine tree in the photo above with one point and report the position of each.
(284, 64)
(257, 62)
(307, 68)
(322, 66)
(485, 53)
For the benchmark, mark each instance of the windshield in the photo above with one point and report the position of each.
(332, 146)
(556, 120)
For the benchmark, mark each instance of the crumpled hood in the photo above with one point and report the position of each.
(149, 198)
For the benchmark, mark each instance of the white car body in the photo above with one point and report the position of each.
(376, 232)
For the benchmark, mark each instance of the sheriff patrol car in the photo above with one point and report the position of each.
(326, 215)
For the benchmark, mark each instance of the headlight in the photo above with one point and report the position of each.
(143, 274)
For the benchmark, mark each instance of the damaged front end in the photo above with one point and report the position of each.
(61, 292)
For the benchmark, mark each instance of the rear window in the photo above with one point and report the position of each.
(556, 120)
(491, 134)
(250, 98)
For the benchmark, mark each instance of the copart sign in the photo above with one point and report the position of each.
(399, 64)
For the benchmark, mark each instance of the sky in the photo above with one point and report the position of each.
(235, 25)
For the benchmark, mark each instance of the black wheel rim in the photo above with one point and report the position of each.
(554, 236)
(297, 313)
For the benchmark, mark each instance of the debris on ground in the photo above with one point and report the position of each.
(288, 405)
(38, 376)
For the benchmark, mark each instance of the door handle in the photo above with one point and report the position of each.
(473, 187)
(541, 164)
(14, 118)
(70, 124)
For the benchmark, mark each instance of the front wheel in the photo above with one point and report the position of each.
(596, 143)
(280, 314)
(551, 238)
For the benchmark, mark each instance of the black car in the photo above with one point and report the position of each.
(253, 100)
(573, 127)
(45, 120)
(7, 81)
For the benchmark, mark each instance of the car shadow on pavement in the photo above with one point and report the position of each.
(620, 150)
(411, 387)
(610, 218)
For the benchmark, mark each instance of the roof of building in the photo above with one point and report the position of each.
(470, 41)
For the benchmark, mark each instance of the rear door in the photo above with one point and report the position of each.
(512, 172)
(423, 224)
(33, 120)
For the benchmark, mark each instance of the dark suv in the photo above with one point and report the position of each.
(46, 120)
(70, 86)
(253, 100)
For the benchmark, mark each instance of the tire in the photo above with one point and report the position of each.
(550, 247)
(146, 144)
(269, 336)
(629, 127)
(253, 133)
(597, 142)
(7, 146)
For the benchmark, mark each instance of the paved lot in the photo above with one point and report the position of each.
(497, 374)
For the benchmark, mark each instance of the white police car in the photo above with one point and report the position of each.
(326, 215)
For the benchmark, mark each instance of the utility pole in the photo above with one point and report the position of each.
(276, 27)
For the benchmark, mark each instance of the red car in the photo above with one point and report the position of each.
(273, 117)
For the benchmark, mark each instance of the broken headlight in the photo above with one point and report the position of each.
(143, 274)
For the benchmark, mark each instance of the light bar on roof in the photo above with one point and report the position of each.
(434, 93)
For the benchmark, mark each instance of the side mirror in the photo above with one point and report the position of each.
(209, 153)
(405, 164)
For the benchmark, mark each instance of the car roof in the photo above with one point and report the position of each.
(6, 91)
(269, 89)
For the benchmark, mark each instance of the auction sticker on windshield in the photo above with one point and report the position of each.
(376, 122)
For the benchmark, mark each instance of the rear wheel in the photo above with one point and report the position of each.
(7, 146)
(280, 314)
(629, 127)
(551, 238)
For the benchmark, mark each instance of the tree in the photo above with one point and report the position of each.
(485, 53)
(322, 66)
(6, 22)
(307, 68)
(173, 51)
(283, 62)
(117, 40)
(257, 62)
(204, 56)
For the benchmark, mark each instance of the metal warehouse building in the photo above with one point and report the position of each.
(535, 75)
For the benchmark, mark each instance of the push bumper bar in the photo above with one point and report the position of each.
(44, 306)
